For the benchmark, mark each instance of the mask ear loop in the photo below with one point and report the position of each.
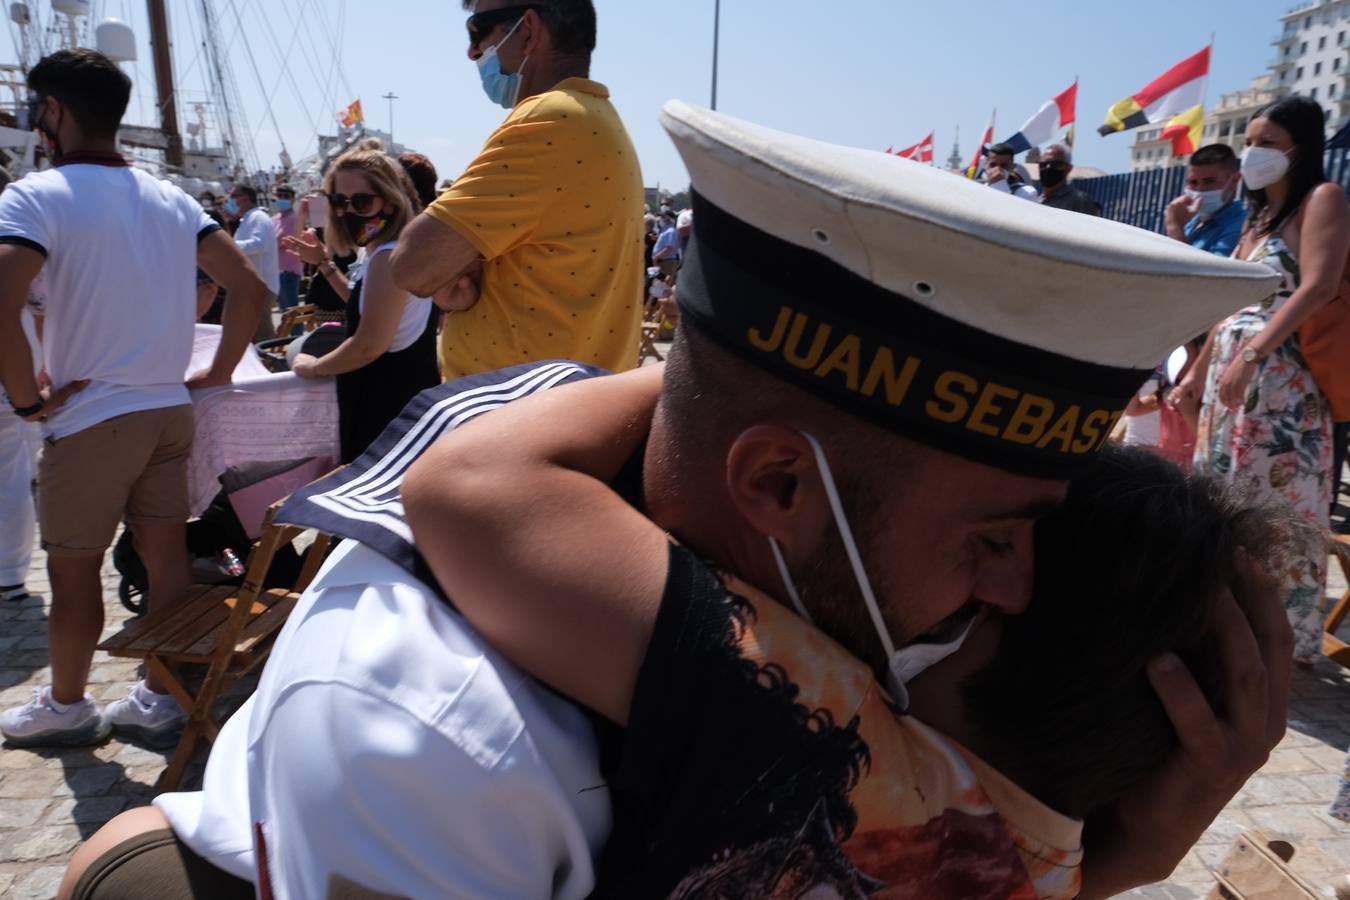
(787, 581)
(851, 547)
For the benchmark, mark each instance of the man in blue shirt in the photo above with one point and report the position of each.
(1206, 216)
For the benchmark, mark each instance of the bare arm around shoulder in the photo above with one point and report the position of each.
(219, 257)
(430, 256)
(381, 310)
(514, 514)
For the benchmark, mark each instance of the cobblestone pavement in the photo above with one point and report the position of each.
(52, 800)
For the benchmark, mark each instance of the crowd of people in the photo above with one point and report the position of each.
(819, 661)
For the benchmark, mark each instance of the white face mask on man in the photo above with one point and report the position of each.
(1263, 166)
(903, 664)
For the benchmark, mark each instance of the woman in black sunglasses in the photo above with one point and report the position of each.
(390, 351)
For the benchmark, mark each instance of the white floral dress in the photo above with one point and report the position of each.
(1277, 446)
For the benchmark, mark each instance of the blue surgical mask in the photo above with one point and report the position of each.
(231, 207)
(904, 663)
(1210, 202)
(501, 89)
(283, 206)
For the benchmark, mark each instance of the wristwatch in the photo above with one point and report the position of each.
(1250, 355)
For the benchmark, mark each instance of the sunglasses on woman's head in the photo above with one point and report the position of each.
(480, 25)
(360, 203)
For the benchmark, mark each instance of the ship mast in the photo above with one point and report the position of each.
(168, 107)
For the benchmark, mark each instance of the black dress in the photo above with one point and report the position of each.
(371, 397)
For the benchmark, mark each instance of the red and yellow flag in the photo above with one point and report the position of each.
(352, 115)
(1175, 98)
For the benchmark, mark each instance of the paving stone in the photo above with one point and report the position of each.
(1288, 761)
(21, 813)
(34, 783)
(33, 642)
(91, 781)
(39, 884)
(86, 811)
(1292, 822)
(1272, 790)
(43, 843)
(131, 755)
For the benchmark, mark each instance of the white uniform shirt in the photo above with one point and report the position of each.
(1024, 190)
(386, 744)
(120, 277)
(258, 239)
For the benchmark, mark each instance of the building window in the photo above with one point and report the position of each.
(1317, 68)
(1322, 42)
(1298, 74)
(1340, 39)
(1307, 22)
(1282, 74)
(1288, 49)
(1302, 48)
(1313, 93)
(1225, 128)
(1331, 91)
(1336, 64)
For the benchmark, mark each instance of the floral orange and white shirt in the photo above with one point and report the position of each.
(763, 760)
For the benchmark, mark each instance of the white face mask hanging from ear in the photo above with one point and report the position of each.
(902, 665)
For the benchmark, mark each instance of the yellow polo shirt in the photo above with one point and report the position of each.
(554, 204)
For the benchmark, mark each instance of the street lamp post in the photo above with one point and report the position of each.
(717, 25)
(391, 97)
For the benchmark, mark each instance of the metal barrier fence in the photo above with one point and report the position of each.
(1141, 198)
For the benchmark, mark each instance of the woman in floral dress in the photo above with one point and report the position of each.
(1264, 424)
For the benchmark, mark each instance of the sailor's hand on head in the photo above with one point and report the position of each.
(1143, 837)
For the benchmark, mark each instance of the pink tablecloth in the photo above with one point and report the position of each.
(261, 417)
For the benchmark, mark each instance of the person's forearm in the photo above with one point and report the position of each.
(16, 365)
(1199, 369)
(1305, 301)
(350, 355)
(239, 322)
(430, 255)
(1177, 230)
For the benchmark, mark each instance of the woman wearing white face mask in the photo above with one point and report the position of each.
(1264, 423)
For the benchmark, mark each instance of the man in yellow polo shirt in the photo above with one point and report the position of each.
(551, 208)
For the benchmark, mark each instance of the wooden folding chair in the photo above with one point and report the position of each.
(228, 629)
(1333, 647)
(648, 346)
(304, 315)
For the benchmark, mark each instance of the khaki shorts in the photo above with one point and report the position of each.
(156, 864)
(132, 466)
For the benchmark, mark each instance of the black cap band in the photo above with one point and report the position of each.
(892, 361)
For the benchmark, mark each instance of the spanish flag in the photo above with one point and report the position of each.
(352, 115)
(1176, 98)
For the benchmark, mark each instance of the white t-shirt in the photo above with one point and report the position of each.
(1024, 190)
(120, 284)
(413, 321)
(258, 239)
(388, 745)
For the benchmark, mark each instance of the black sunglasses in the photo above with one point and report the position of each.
(480, 25)
(360, 203)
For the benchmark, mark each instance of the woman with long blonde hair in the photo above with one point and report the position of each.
(390, 351)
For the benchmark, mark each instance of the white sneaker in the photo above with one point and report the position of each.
(155, 720)
(40, 723)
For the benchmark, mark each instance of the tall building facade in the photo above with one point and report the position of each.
(1312, 59)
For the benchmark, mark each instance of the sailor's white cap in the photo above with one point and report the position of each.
(999, 329)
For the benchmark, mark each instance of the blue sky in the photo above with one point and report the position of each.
(871, 73)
